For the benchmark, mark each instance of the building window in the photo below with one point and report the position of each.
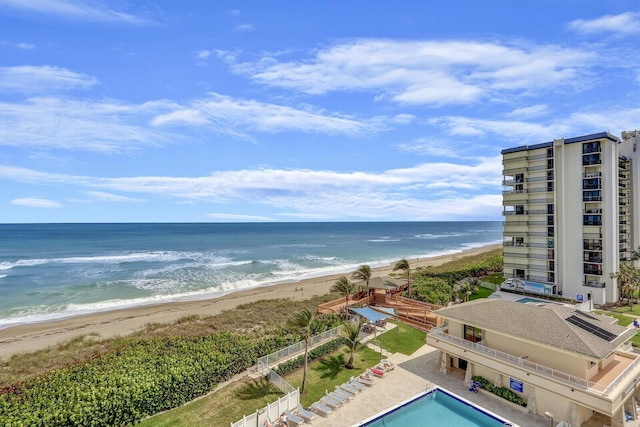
(591, 147)
(549, 152)
(550, 186)
(519, 209)
(591, 196)
(592, 220)
(549, 163)
(550, 232)
(591, 159)
(519, 241)
(519, 177)
(518, 274)
(473, 334)
(550, 209)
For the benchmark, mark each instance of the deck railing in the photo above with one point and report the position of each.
(442, 334)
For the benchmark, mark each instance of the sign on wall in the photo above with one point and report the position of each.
(516, 385)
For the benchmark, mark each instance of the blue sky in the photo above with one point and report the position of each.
(158, 111)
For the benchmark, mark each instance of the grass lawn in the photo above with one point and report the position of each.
(221, 408)
(244, 397)
(622, 319)
(404, 339)
(482, 293)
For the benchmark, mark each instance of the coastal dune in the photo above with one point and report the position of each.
(38, 336)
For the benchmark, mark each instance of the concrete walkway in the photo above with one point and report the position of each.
(412, 375)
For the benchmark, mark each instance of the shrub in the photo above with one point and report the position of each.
(503, 392)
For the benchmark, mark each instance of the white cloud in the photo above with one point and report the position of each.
(431, 147)
(183, 117)
(61, 123)
(623, 24)
(238, 217)
(398, 193)
(109, 197)
(245, 27)
(224, 114)
(42, 79)
(423, 72)
(203, 54)
(76, 9)
(35, 202)
(531, 112)
(20, 45)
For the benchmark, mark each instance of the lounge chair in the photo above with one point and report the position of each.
(377, 372)
(320, 408)
(337, 397)
(343, 393)
(349, 388)
(293, 418)
(365, 379)
(332, 403)
(307, 415)
(388, 366)
(356, 384)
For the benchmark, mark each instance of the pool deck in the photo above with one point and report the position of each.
(412, 375)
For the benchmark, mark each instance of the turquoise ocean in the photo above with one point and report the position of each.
(51, 271)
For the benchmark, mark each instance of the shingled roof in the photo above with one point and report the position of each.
(543, 323)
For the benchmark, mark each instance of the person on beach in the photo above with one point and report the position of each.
(283, 420)
(267, 423)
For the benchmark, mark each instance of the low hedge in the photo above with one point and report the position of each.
(133, 381)
(503, 392)
(315, 353)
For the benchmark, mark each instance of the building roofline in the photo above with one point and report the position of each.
(600, 135)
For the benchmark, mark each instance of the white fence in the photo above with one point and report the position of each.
(265, 361)
(272, 411)
(292, 397)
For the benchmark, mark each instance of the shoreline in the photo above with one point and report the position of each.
(119, 322)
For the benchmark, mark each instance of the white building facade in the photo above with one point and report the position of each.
(568, 209)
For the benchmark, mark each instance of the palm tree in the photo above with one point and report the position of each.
(363, 273)
(344, 287)
(302, 322)
(351, 333)
(403, 265)
(627, 281)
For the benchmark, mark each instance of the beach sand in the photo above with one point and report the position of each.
(37, 336)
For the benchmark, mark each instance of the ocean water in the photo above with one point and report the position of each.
(50, 271)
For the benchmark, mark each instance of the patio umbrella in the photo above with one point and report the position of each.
(531, 400)
(468, 375)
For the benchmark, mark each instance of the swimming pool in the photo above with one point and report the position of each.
(437, 408)
(531, 300)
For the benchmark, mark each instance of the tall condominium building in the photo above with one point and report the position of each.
(571, 214)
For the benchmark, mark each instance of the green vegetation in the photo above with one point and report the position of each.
(622, 319)
(403, 339)
(481, 293)
(92, 381)
(442, 284)
(503, 392)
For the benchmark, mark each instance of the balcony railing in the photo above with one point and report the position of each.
(441, 333)
(594, 284)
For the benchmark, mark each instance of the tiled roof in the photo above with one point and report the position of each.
(545, 323)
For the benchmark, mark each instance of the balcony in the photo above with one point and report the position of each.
(605, 381)
(594, 284)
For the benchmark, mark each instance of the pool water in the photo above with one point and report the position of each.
(531, 300)
(437, 408)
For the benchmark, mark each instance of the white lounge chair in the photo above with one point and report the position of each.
(307, 415)
(366, 380)
(340, 398)
(333, 404)
(355, 384)
(348, 388)
(293, 418)
(320, 408)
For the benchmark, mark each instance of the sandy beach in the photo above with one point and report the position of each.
(32, 337)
